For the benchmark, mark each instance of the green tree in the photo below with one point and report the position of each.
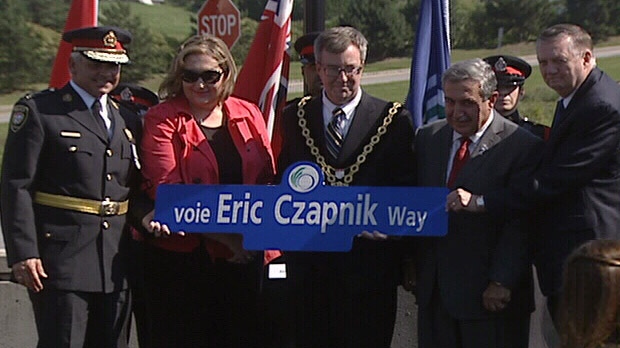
(599, 17)
(149, 51)
(20, 50)
(48, 13)
(241, 48)
(521, 21)
(383, 24)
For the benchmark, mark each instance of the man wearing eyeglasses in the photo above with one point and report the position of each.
(347, 299)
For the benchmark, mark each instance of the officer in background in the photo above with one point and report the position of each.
(277, 293)
(305, 48)
(139, 99)
(511, 73)
(70, 167)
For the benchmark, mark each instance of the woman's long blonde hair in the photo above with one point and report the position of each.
(214, 47)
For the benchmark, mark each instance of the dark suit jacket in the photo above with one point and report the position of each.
(478, 247)
(60, 149)
(388, 165)
(361, 284)
(576, 189)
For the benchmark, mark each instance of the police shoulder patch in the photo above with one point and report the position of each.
(19, 115)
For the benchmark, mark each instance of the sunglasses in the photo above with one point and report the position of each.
(207, 76)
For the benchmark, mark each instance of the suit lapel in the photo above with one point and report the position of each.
(445, 145)
(364, 120)
(314, 122)
(78, 111)
(569, 113)
(491, 137)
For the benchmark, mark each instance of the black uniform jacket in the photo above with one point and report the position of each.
(56, 146)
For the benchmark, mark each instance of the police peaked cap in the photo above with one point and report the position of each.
(139, 96)
(509, 70)
(104, 44)
(305, 47)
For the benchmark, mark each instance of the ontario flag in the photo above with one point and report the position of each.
(263, 79)
(431, 57)
(82, 14)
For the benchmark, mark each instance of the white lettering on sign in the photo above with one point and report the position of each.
(326, 213)
(218, 25)
(402, 216)
(192, 215)
(232, 211)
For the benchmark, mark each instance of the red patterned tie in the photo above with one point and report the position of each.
(460, 157)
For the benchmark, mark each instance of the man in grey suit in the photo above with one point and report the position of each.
(475, 283)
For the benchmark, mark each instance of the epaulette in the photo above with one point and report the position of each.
(39, 93)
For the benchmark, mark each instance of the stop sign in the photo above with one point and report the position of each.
(220, 18)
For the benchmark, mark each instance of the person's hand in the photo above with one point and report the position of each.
(157, 228)
(462, 200)
(375, 235)
(234, 242)
(29, 273)
(495, 297)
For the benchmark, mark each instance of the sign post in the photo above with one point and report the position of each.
(220, 18)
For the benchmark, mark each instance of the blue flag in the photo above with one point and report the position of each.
(431, 57)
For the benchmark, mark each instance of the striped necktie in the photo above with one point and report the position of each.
(335, 132)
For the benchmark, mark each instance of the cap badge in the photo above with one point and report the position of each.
(126, 94)
(67, 97)
(500, 65)
(110, 40)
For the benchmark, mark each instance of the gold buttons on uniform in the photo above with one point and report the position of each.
(105, 225)
(108, 177)
(48, 235)
(72, 148)
(109, 152)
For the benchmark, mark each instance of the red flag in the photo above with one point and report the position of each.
(263, 79)
(83, 13)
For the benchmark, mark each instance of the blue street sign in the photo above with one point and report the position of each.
(302, 213)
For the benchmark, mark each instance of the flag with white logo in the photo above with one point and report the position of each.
(431, 57)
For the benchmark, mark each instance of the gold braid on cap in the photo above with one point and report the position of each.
(332, 174)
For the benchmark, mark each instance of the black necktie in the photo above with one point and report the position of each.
(335, 132)
(559, 112)
(96, 110)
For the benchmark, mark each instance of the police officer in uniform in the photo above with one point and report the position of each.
(139, 99)
(305, 48)
(70, 166)
(135, 97)
(511, 73)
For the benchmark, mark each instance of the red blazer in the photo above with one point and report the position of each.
(175, 151)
